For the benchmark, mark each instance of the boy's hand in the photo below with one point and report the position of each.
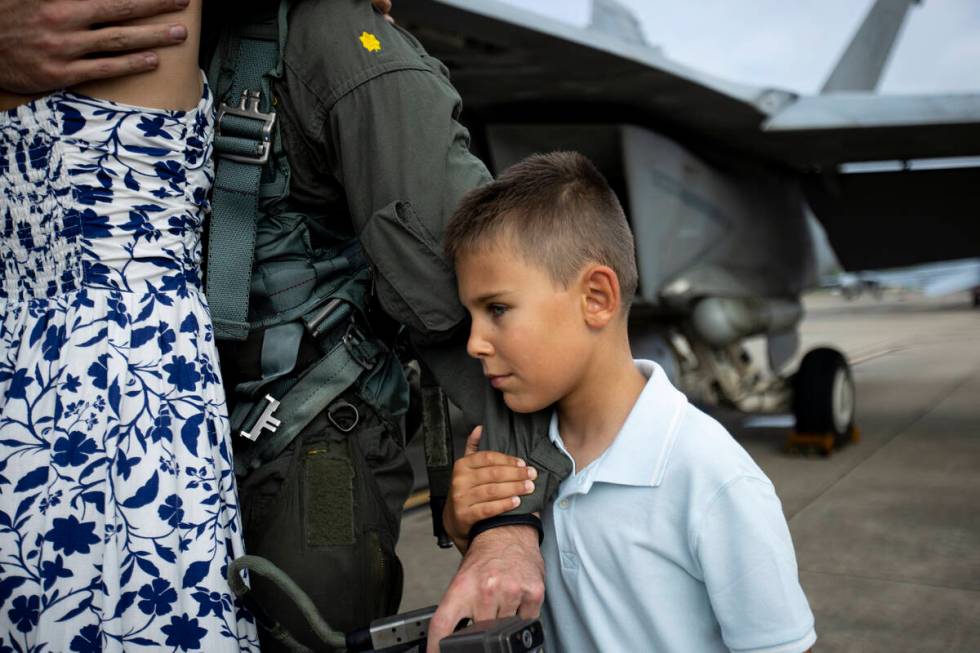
(485, 484)
(44, 44)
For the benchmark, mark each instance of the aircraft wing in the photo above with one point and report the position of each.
(933, 279)
(966, 279)
(823, 130)
(503, 57)
(515, 65)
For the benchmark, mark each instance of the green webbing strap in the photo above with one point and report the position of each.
(314, 391)
(280, 350)
(231, 241)
(242, 145)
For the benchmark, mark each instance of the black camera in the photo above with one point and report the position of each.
(408, 632)
(510, 635)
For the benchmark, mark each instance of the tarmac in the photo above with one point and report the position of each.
(887, 530)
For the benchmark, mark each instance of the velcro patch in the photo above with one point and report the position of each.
(329, 486)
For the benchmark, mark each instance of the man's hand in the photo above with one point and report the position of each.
(501, 575)
(44, 43)
(384, 6)
(484, 484)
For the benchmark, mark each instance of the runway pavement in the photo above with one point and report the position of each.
(887, 531)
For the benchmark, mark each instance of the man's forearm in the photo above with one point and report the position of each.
(524, 436)
(404, 123)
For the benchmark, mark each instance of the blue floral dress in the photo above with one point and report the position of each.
(118, 511)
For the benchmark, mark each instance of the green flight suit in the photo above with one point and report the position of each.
(369, 124)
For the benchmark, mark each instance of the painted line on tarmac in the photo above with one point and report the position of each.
(872, 355)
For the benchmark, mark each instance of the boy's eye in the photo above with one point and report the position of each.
(496, 310)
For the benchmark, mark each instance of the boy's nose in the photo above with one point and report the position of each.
(477, 346)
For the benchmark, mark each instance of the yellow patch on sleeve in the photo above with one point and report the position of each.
(370, 42)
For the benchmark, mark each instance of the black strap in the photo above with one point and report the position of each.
(439, 453)
(529, 519)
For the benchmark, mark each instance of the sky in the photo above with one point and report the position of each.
(794, 44)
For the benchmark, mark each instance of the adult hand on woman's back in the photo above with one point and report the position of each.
(45, 44)
(49, 44)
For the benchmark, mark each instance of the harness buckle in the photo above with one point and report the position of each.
(352, 340)
(264, 421)
(319, 319)
(248, 108)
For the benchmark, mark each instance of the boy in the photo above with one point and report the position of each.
(667, 536)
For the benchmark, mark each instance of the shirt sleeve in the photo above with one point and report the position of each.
(395, 143)
(745, 551)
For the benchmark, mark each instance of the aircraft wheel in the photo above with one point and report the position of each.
(823, 394)
(976, 298)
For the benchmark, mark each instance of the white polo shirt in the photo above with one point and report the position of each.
(672, 541)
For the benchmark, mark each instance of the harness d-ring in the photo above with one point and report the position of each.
(344, 416)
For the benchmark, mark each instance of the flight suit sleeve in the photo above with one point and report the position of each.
(395, 143)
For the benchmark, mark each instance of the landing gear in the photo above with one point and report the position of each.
(820, 395)
(823, 400)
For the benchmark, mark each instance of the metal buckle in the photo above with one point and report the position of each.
(249, 108)
(352, 340)
(265, 420)
(314, 323)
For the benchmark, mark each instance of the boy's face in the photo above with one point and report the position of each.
(527, 331)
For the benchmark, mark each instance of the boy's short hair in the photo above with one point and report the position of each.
(559, 212)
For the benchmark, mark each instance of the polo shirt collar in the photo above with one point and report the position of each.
(639, 454)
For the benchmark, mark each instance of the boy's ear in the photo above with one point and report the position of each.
(600, 295)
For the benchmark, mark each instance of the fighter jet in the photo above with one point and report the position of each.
(721, 181)
(931, 279)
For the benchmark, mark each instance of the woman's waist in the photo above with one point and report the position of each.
(107, 264)
(166, 288)
(151, 272)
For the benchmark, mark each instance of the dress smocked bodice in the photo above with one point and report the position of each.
(99, 194)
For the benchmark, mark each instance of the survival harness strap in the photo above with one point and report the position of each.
(243, 145)
(251, 169)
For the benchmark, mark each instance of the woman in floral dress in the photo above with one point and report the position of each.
(118, 512)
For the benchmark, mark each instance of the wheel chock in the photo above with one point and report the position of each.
(825, 443)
